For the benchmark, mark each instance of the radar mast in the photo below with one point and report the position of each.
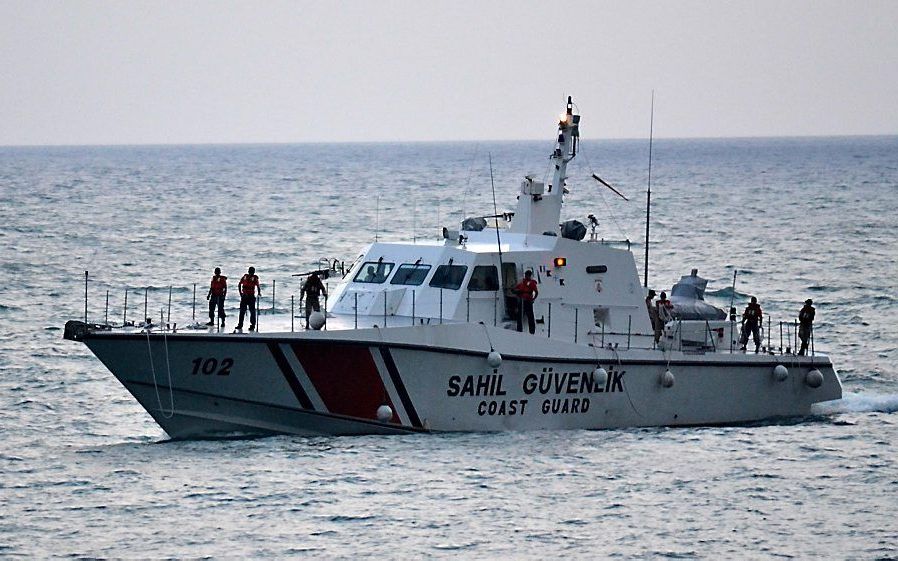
(539, 205)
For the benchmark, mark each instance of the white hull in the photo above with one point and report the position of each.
(436, 378)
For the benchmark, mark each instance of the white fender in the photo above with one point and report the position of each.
(667, 379)
(814, 378)
(494, 359)
(384, 413)
(600, 377)
(316, 320)
(780, 373)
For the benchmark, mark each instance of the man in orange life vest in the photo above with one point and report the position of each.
(527, 291)
(218, 289)
(248, 287)
(752, 318)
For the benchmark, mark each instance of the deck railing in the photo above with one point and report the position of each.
(672, 335)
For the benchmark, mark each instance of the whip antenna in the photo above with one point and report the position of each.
(496, 213)
(648, 196)
(733, 294)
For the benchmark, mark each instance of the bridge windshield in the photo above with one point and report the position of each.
(448, 276)
(411, 274)
(374, 272)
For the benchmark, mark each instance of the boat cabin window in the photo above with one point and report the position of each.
(448, 276)
(410, 274)
(374, 272)
(484, 277)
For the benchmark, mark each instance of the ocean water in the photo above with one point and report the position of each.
(85, 472)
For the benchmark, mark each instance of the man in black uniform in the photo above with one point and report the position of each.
(752, 318)
(805, 325)
(311, 289)
(653, 315)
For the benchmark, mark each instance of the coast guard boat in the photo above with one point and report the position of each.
(423, 337)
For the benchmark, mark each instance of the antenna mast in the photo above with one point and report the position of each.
(648, 196)
(496, 214)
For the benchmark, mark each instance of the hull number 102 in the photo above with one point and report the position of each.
(209, 366)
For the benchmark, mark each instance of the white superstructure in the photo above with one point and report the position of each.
(586, 288)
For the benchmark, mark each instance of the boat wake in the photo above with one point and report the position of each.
(858, 403)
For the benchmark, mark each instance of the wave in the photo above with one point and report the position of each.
(858, 403)
(819, 288)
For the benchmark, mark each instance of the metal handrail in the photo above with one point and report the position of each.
(789, 343)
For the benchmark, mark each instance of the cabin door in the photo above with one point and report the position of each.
(509, 281)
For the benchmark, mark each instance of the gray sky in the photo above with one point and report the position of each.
(215, 71)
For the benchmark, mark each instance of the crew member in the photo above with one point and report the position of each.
(664, 308)
(805, 325)
(370, 275)
(311, 289)
(218, 289)
(653, 314)
(527, 291)
(752, 318)
(248, 287)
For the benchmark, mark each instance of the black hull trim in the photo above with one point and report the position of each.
(290, 376)
(400, 387)
(351, 425)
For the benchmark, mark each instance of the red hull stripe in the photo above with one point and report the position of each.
(346, 378)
